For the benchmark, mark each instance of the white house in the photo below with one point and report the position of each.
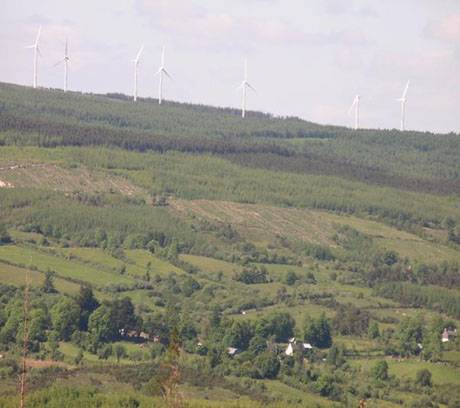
(447, 334)
(290, 349)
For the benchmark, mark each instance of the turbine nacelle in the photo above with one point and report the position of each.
(37, 53)
(162, 70)
(245, 84)
(355, 105)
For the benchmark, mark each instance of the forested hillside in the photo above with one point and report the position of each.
(178, 254)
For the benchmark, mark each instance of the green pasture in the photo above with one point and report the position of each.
(442, 372)
(32, 258)
(14, 275)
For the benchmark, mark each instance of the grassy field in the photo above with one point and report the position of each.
(32, 258)
(70, 351)
(14, 275)
(293, 397)
(100, 259)
(212, 265)
(407, 369)
(157, 266)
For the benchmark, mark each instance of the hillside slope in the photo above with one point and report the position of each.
(181, 246)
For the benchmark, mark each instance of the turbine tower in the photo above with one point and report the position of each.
(355, 105)
(66, 61)
(160, 72)
(136, 66)
(244, 85)
(36, 53)
(403, 101)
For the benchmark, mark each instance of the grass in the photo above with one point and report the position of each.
(361, 345)
(212, 265)
(298, 312)
(293, 396)
(452, 356)
(14, 275)
(100, 259)
(70, 351)
(31, 258)
(157, 266)
(402, 313)
(442, 373)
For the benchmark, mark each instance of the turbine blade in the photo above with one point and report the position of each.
(350, 109)
(38, 35)
(138, 56)
(405, 90)
(251, 87)
(167, 73)
(39, 52)
(245, 68)
(59, 62)
(163, 56)
(355, 101)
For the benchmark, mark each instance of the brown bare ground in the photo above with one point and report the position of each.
(261, 224)
(31, 363)
(53, 177)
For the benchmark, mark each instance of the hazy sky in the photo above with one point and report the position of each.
(306, 57)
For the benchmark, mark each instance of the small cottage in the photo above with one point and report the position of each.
(447, 335)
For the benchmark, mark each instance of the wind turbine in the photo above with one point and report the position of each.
(244, 85)
(66, 61)
(355, 105)
(403, 101)
(36, 53)
(136, 66)
(161, 71)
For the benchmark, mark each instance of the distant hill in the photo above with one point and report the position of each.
(409, 160)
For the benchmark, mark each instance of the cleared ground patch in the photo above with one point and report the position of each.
(262, 224)
(53, 177)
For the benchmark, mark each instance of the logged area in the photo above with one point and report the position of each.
(264, 262)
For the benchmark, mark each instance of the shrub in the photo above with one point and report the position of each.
(423, 378)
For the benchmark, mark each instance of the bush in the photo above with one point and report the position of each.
(290, 278)
(267, 365)
(4, 235)
(380, 371)
(423, 378)
(253, 274)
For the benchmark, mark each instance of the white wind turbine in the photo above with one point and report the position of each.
(355, 105)
(161, 71)
(245, 84)
(66, 61)
(36, 53)
(136, 66)
(403, 101)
